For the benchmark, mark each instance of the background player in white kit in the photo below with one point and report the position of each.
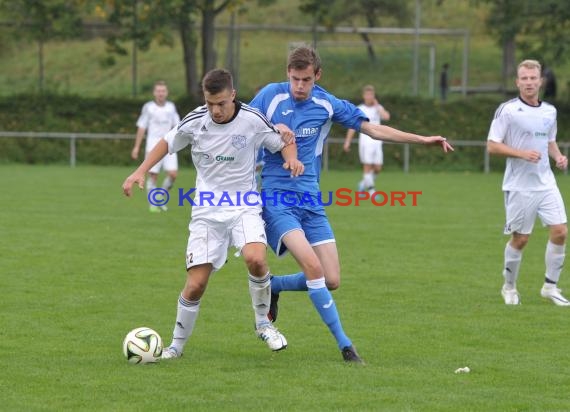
(225, 136)
(157, 118)
(524, 130)
(369, 150)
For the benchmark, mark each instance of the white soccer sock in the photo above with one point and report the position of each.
(150, 184)
(260, 292)
(369, 180)
(185, 319)
(513, 259)
(554, 259)
(167, 183)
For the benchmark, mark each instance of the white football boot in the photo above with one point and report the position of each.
(510, 295)
(550, 291)
(270, 335)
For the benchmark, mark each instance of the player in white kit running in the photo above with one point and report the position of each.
(524, 130)
(156, 119)
(225, 136)
(369, 150)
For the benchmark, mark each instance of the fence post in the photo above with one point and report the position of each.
(487, 161)
(406, 157)
(72, 151)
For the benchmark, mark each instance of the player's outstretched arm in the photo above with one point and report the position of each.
(291, 163)
(348, 139)
(137, 177)
(389, 134)
(501, 149)
(557, 156)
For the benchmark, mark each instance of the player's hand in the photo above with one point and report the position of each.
(135, 178)
(346, 146)
(531, 156)
(562, 162)
(439, 140)
(295, 166)
(135, 153)
(287, 134)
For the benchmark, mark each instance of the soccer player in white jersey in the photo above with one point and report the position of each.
(304, 230)
(369, 150)
(156, 119)
(225, 136)
(524, 131)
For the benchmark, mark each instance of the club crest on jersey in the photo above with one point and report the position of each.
(239, 141)
(547, 122)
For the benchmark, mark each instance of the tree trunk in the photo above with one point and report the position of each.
(369, 47)
(509, 62)
(189, 46)
(208, 35)
(41, 65)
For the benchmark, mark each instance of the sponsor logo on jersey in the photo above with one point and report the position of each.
(540, 134)
(306, 131)
(222, 158)
(239, 141)
(286, 112)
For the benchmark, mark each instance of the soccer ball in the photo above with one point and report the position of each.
(142, 345)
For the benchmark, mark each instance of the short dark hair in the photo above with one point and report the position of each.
(217, 80)
(303, 57)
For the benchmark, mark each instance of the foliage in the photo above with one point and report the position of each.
(462, 120)
(540, 27)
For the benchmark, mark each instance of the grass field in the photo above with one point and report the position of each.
(82, 265)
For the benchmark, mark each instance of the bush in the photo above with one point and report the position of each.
(466, 119)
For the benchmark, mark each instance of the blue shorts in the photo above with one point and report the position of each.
(281, 218)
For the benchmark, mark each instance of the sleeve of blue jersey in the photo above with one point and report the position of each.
(258, 101)
(347, 114)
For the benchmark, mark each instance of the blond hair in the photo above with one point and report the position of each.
(529, 64)
(368, 88)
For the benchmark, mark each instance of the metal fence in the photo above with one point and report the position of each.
(406, 158)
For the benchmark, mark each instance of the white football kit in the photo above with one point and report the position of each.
(530, 188)
(157, 121)
(369, 149)
(224, 154)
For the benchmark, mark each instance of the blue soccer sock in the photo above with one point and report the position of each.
(297, 281)
(324, 303)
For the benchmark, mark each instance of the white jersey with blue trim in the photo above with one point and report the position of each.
(311, 121)
(525, 127)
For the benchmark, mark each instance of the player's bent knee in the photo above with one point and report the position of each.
(333, 284)
(256, 264)
(519, 241)
(558, 234)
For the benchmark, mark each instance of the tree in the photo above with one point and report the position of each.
(43, 21)
(540, 28)
(333, 12)
(142, 21)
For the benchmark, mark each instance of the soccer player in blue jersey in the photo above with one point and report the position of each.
(309, 111)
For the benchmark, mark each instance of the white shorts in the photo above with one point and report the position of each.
(212, 235)
(522, 208)
(370, 151)
(169, 162)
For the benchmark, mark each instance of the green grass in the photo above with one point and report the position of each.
(82, 265)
